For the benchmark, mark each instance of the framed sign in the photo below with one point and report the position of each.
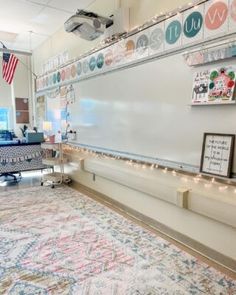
(217, 154)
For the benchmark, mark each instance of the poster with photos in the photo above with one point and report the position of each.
(200, 87)
(222, 85)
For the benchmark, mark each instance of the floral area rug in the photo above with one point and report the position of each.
(60, 242)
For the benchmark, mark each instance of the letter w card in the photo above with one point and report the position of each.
(193, 21)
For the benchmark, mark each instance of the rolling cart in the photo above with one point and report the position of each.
(53, 156)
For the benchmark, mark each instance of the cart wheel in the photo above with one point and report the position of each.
(41, 183)
(53, 186)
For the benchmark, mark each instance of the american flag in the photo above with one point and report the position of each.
(9, 63)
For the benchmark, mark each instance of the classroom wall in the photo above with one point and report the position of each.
(208, 218)
(5, 94)
(140, 11)
(206, 230)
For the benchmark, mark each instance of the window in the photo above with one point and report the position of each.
(4, 119)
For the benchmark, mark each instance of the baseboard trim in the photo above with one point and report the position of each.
(219, 259)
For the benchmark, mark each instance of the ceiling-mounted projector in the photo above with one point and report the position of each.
(87, 25)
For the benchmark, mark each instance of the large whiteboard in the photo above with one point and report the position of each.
(145, 110)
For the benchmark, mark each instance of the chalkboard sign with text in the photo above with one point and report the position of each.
(217, 154)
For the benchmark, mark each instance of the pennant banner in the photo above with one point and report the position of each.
(15, 160)
(207, 21)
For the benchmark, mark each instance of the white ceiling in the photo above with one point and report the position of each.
(25, 24)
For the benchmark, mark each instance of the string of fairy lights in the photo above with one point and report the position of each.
(154, 20)
(223, 185)
(161, 16)
(185, 177)
(208, 182)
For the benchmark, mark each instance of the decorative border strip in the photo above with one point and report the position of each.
(199, 24)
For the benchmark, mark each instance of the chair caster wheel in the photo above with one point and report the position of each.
(41, 183)
(53, 186)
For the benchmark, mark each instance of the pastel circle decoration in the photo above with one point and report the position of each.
(68, 72)
(193, 24)
(100, 60)
(156, 39)
(73, 71)
(142, 44)
(54, 78)
(92, 63)
(130, 47)
(58, 77)
(233, 10)
(85, 66)
(63, 75)
(79, 68)
(216, 15)
(109, 57)
(173, 32)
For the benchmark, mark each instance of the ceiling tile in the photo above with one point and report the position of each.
(43, 17)
(48, 21)
(71, 5)
(43, 2)
(6, 36)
